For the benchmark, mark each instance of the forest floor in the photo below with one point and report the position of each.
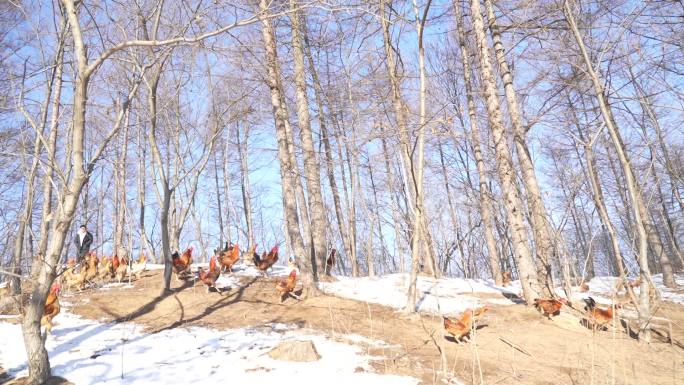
(557, 351)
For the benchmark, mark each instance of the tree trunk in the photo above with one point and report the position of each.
(218, 194)
(351, 210)
(166, 192)
(121, 189)
(311, 166)
(284, 155)
(635, 194)
(325, 138)
(484, 193)
(44, 274)
(52, 147)
(652, 231)
(245, 186)
(538, 216)
(55, 80)
(414, 172)
(507, 174)
(396, 216)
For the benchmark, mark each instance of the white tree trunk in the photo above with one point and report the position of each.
(484, 193)
(284, 155)
(538, 216)
(507, 174)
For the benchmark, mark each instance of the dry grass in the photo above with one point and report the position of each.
(560, 351)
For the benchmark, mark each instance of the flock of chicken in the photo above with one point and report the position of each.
(596, 317)
(103, 269)
(106, 269)
(224, 259)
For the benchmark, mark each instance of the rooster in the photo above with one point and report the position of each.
(181, 264)
(462, 327)
(122, 269)
(209, 277)
(51, 308)
(265, 262)
(549, 306)
(598, 317)
(330, 262)
(286, 286)
(115, 265)
(229, 256)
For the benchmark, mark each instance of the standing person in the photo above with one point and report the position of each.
(83, 241)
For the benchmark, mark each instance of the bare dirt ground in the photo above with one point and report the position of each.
(560, 351)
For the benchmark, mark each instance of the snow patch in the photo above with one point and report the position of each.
(90, 352)
(436, 296)
(603, 288)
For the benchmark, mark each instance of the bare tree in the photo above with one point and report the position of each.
(507, 174)
(284, 148)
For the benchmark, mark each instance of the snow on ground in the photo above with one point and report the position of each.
(90, 352)
(451, 295)
(438, 296)
(603, 288)
(240, 269)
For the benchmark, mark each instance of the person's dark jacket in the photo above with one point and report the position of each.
(83, 248)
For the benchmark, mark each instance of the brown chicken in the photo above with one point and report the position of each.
(122, 270)
(181, 264)
(51, 308)
(462, 327)
(549, 306)
(105, 269)
(286, 286)
(330, 262)
(265, 262)
(68, 277)
(506, 278)
(114, 265)
(209, 277)
(90, 271)
(87, 273)
(598, 317)
(229, 256)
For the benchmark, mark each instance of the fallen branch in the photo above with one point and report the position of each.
(5, 272)
(514, 346)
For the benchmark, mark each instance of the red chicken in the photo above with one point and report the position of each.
(462, 327)
(181, 264)
(549, 306)
(597, 317)
(114, 266)
(229, 256)
(265, 262)
(286, 286)
(51, 308)
(209, 277)
(330, 262)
